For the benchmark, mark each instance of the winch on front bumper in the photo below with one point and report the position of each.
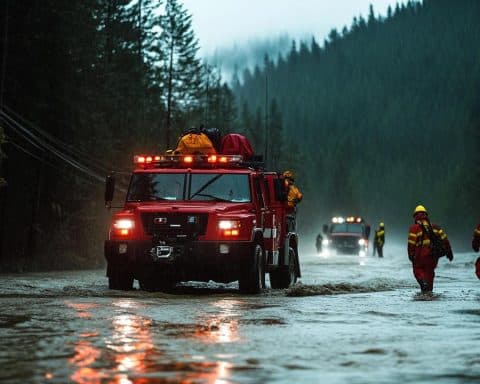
(222, 261)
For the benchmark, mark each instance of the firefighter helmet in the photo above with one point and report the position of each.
(419, 209)
(382, 225)
(289, 175)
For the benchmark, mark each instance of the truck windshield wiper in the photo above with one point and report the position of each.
(148, 198)
(216, 198)
(206, 185)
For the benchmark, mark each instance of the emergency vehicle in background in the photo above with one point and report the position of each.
(346, 235)
(201, 217)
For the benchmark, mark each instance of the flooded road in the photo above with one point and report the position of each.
(350, 320)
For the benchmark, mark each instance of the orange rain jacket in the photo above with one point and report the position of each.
(420, 253)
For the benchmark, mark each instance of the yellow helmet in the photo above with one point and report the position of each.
(289, 175)
(382, 225)
(418, 209)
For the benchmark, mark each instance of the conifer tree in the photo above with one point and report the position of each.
(179, 47)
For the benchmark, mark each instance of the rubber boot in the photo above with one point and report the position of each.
(424, 286)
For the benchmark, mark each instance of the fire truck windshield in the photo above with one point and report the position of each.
(347, 228)
(189, 186)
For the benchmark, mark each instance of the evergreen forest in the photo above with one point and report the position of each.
(381, 116)
(85, 85)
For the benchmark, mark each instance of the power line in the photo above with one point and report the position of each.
(65, 147)
(43, 145)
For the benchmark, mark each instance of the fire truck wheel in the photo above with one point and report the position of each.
(120, 280)
(253, 280)
(285, 275)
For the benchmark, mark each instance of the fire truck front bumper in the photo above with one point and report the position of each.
(207, 260)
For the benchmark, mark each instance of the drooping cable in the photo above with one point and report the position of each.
(43, 145)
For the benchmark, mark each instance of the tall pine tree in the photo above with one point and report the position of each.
(182, 68)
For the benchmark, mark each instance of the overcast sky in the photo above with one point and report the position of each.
(224, 23)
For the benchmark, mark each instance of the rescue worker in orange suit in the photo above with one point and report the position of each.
(476, 247)
(420, 250)
(294, 196)
(379, 240)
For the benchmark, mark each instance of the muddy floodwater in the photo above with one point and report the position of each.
(350, 320)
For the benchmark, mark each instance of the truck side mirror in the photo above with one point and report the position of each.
(325, 228)
(109, 190)
(367, 231)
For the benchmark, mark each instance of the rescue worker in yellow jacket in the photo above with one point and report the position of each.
(379, 240)
(422, 250)
(294, 195)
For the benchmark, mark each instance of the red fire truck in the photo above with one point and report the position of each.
(346, 235)
(201, 218)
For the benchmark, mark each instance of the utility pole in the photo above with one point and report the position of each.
(266, 120)
(3, 194)
(4, 55)
(207, 96)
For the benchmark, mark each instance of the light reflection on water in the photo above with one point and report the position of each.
(345, 324)
(129, 356)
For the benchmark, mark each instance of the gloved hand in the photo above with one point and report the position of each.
(450, 256)
(475, 245)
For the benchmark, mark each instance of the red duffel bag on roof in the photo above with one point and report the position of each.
(236, 144)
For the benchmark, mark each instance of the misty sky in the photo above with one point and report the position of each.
(224, 23)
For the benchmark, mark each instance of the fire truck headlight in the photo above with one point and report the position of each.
(124, 224)
(228, 224)
(361, 242)
(123, 227)
(229, 227)
(325, 242)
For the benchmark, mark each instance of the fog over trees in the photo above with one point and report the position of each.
(380, 117)
(383, 115)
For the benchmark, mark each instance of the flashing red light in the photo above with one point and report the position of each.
(148, 159)
(157, 158)
(188, 159)
(140, 159)
(223, 159)
(212, 159)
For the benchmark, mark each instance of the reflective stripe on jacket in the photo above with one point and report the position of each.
(419, 240)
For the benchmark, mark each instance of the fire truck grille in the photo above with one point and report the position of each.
(345, 243)
(174, 224)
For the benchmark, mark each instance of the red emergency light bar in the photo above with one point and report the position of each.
(151, 161)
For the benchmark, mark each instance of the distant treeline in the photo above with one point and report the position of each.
(83, 86)
(383, 116)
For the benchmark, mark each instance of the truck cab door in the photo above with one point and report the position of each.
(273, 235)
(259, 201)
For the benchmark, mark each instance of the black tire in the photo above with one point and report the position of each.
(120, 280)
(254, 279)
(285, 275)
